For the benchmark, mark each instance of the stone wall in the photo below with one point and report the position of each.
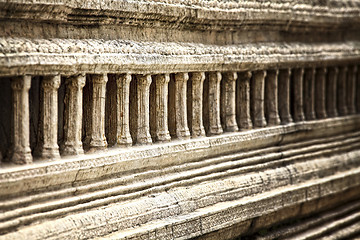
(179, 119)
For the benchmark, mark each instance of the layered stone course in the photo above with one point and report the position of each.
(172, 119)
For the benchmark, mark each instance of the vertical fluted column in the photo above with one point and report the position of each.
(229, 98)
(73, 115)
(351, 89)
(342, 108)
(197, 125)
(143, 96)
(243, 100)
(257, 98)
(320, 91)
(298, 94)
(162, 131)
(214, 103)
(97, 135)
(358, 92)
(49, 128)
(182, 129)
(284, 96)
(123, 137)
(331, 98)
(21, 152)
(309, 94)
(271, 97)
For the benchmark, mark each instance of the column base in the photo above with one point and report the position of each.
(19, 157)
(246, 124)
(216, 130)
(287, 120)
(311, 116)
(163, 137)
(95, 145)
(231, 128)
(125, 141)
(299, 118)
(274, 121)
(198, 132)
(183, 134)
(322, 115)
(332, 114)
(260, 122)
(50, 153)
(70, 149)
(144, 140)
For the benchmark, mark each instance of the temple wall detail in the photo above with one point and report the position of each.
(171, 119)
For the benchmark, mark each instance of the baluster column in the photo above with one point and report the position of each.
(243, 100)
(97, 135)
(309, 94)
(123, 137)
(298, 94)
(214, 103)
(351, 89)
(257, 98)
(162, 131)
(182, 129)
(49, 127)
(229, 110)
(331, 97)
(342, 108)
(271, 95)
(73, 115)
(21, 152)
(284, 96)
(143, 97)
(320, 89)
(197, 125)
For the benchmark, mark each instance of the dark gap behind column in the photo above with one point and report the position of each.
(292, 94)
(222, 103)
(189, 101)
(171, 105)
(6, 126)
(35, 99)
(206, 104)
(133, 111)
(61, 109)
(111, 110)
(87, 106)
(153, 106)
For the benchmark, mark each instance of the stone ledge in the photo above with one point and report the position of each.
(71, 56)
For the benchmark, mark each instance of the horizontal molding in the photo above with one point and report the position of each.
(180, 14)
(21, 56)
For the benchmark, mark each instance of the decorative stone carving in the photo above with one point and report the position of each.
(73, 115)
(243, 100)
(309, 93)
(331, 93)
(182, 129)
(96, 135)
(197, 126)
(214, 103)
(320, 95)
(271, 97)
(161, 118)
(123, 125)
(341, 98)
(284, 96)
(351, 89)
(143, 122)
(21, 152)
(298, 79)
(257, 89)
(229, 101)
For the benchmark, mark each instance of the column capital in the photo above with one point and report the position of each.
(230, 76)
(99, 78)
(144, 80)
(245, 75)
(181, 77)
(51, 82)
(162, 78)
(21, 83)
(197, 76)
(77, 81)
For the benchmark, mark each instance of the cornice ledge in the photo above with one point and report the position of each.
(90, 55)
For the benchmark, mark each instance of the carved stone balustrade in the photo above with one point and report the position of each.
(179, 119)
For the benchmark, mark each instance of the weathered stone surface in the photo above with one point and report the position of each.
(163, 95)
